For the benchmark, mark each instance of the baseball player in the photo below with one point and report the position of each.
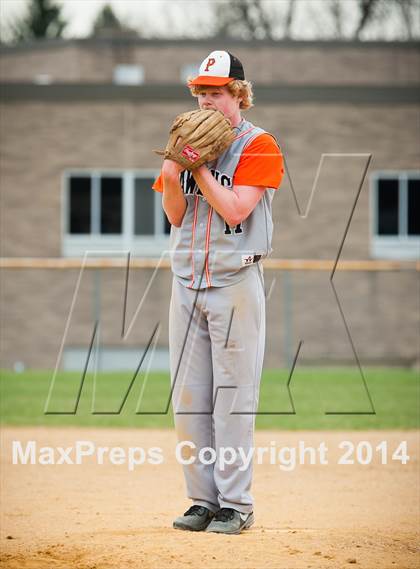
(222, 226)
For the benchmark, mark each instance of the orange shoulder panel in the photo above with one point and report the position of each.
(261, 164)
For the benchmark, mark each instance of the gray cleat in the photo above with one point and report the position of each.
(230, 521)
(196, 518)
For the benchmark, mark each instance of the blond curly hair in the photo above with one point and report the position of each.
(237, 88)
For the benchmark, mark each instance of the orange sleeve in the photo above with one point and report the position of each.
(158, 184)
(261, 164)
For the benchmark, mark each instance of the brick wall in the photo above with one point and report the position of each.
(279, 62)
(40, 140)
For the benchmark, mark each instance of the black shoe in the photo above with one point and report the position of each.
(227, 520)
(196, 518)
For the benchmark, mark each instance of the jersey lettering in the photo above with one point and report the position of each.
(188, 183)
(190, 187)
(225, 181)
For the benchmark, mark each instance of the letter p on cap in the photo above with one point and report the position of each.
(211, 61)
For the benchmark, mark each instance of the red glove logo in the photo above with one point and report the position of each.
(190, 154)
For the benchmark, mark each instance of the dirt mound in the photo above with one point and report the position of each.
(100, 516)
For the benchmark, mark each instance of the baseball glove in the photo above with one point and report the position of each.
(197, 137)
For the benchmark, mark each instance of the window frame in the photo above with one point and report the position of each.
(401, 246)
(76, 245)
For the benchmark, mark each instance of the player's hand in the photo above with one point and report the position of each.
(201, 169)
(171, 168)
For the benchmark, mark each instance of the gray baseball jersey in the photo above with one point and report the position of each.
(205, 251)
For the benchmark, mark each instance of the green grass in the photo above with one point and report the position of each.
(394, 392)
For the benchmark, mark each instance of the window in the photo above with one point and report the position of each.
(128, 74)
(116, 358)
(396, 215)
(111, 204)
(43, 79)
(80, 200)
(113, 211)
(144, 223)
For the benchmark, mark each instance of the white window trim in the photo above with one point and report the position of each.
(402, 246)
(145, 246)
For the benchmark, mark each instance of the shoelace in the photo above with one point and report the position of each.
(224, 515)
(195, 511)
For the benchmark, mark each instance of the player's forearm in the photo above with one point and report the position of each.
(173, 201)
(226, 202)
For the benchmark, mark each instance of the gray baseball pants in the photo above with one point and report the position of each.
(216, 341)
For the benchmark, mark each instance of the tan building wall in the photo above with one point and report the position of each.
(317, 63)
(381, 311)
(40, 140)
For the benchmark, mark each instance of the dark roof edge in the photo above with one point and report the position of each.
(221, 41)
(280, 93)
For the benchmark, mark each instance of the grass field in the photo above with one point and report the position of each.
(316, 393)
